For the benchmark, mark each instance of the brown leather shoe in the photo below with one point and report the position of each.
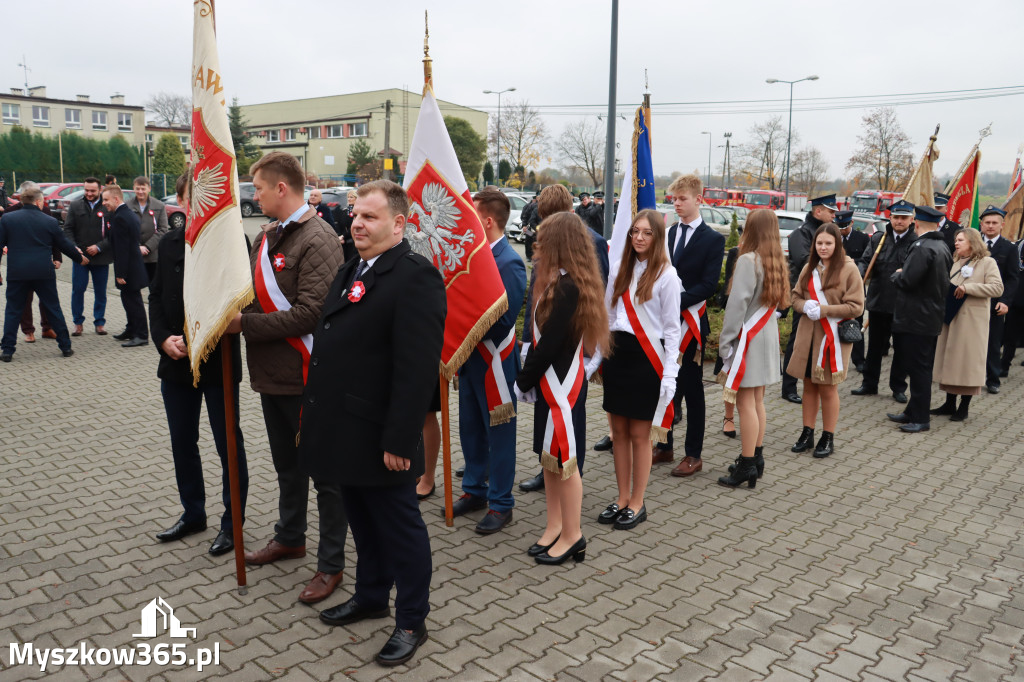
(77, 330)
(320, 587)
(49, 334)
(660, 456)
(100, 330)
(272, 552)
(30, 338)
(688, 467)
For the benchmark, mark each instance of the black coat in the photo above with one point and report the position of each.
(167, 317)
(558, 338)
(343, 228)
(881, 296)
(325, 212)
(84, 226)
(1004, 253)
(1018, 298)
(31, 237)
(124, 242)
(373, 371)
(948, 232)
(855, 244)
(800, 246)
(699, 266)
(922, 286)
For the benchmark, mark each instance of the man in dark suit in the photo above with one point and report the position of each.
(855, 243)
(372, 373)
(30, 238)
(5, 203)
(129, 271)
(343, 226)
(1005, 255)
(823, 210)
(316, 200)
(696, 252)
(1013, 332)
(487, 431)
(86, 228)
(152, 216)
(947, 228)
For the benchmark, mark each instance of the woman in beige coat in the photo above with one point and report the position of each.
(960, 351)
(828, 291)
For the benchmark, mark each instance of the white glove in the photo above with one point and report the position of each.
(593, 364)
(812, 310)
(528, 397)
(523, 352)
(778, 315)
(668, 388)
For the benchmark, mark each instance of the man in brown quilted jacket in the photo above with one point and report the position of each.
(294, 263)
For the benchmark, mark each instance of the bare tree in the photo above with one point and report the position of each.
(808, 170)
(883, 155)
(523, 134)
(763, 158)
(582, 147)
(170, 109)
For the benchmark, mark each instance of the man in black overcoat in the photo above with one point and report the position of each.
(129, 271)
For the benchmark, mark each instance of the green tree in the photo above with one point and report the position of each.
(488, 173)
(470, 147)
(504, 170)
(168, 157)
(246, 153)
(734, 233)
(359, 154)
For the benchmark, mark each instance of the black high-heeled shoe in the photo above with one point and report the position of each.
(537, 549)
(805, 442)
(758, 461)
(728, 434)
(745, 472)
(578, 552)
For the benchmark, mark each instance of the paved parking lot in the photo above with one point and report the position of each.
(899, 558)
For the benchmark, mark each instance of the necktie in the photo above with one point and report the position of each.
(360, 269)
(989, 244)
(681, 243)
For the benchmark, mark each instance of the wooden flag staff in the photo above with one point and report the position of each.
(230, 419)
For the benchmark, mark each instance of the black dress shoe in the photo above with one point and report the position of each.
(6, 357)
(67, 353)
(537, 548)
(793, 398)
(493, 521)
(223, 543)
(603, 445)
(610, 513)
(578, 552)
(630, 519)
(864, 389)
(527, 486)
(460, 471)
(402, 646)
(351, 612)
(899, 397)
(992, 389)
(914, 428)
(898, 417)
(123, 336)
(180, 530)
(135, 343)
(468, 503)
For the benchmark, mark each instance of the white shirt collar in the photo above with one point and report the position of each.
(990, 239)
(369, 263)
(294, 216)
(695, 224)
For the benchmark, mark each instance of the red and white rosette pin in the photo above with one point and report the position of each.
(278, 262)
(356, 293)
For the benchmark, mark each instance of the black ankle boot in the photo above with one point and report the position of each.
(961, 412)
(745, 472)
(805, 442)
(758, 461)
(825, 445)
(948, 407)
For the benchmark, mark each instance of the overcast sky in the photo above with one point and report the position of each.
(557, 54)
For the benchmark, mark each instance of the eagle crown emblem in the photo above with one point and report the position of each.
(436, 239)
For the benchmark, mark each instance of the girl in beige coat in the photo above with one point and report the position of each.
(960, 351)
(828, 291)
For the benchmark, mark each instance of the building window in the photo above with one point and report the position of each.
(314, 132)
(12, 114)
(183, 139)
(357, 130)
(41, 116)
(99, 120)
(335, 131)
(73, 118)
(273, 136)
(289, 134)
(124, 122)
(149, 138)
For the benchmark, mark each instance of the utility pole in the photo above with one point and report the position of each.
(387, 140)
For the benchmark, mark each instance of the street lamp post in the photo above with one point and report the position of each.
(789, 135)
(497, 155)
(707, 182)
(726, 165)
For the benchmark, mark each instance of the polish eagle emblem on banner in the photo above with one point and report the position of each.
(210, 180)
(438, 239)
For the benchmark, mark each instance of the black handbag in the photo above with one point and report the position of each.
(849, 331)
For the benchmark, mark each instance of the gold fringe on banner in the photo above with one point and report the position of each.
(239, 302)
(502, 414)
(728, 394)
(822, 376)
(468, 344)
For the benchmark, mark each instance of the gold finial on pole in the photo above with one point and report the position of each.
(428, 76)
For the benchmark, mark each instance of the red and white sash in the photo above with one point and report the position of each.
(735, 366)
(691, 324)
(272, 299)
(558, 453)
(654, 349)
(829, 365)
(499, 399)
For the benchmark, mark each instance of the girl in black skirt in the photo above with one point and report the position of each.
(643, 299)
(569, 319)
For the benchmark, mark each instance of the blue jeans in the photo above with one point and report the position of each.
(79, 283)
(183, 404)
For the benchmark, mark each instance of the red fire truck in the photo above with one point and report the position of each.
(763, 198)
(714, 196)
(873, 201)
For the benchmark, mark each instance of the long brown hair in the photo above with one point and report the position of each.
(761, 236)
(657, 258)
(563, 242)
(835, 263)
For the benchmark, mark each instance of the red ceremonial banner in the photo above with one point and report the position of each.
(961, 199)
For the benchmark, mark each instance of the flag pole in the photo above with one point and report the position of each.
(227, 373)
(984, 132)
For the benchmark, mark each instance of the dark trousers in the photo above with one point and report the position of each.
(917, 353)
(26, 318)
(879, 332)
(150, 269)
(788, 381)
(392, 549)
(857, 354)
(1013, 333)
(993, 361)
(490, 451)
(281, 414)
(690, 387)
(137, 327)
(183, 405)
(18, 292)
(79, 283)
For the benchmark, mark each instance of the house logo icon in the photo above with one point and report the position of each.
(158, 615)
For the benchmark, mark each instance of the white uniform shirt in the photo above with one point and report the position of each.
(662, 309)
